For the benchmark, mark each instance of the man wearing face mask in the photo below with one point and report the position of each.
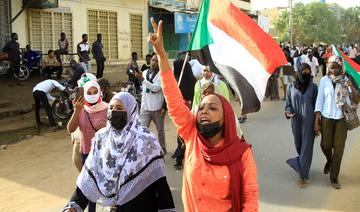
(152, 100)
(299, 107)
(90, 115)
(335, 90)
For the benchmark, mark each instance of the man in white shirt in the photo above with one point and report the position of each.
(41, 94)
(352, 52)
(310, 59)
(333, 92)
(152, 100)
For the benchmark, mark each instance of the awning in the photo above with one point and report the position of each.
(172, 6)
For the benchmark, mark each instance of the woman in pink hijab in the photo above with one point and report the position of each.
(90, 115)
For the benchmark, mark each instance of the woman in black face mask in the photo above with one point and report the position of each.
(219, 168)
(299, 107)
(125, 167)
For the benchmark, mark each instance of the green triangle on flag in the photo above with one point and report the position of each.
(350, 66)
(201, 35)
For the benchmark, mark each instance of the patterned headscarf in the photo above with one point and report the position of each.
(121, 164)
(342, 93)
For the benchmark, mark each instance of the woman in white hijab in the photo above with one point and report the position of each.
(125, 167)
(90, 115)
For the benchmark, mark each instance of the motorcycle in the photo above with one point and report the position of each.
(62, 107)
(23, 74)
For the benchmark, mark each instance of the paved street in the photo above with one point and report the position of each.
(38, 175)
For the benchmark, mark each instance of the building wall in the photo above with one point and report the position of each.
(20, 24)
(123, 9)
(272, 14)
(79, 9)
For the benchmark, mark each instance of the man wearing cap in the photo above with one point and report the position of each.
(335, 90)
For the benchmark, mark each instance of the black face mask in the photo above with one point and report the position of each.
(306, 78)
(118, 119)
(209, 130)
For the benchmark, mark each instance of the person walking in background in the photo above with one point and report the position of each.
(147, 63)
(12, 48)
(272, 87)
(132, 70)
(41, 94)
(152, 100)
(83, 51)
(299, 107)
(97, 51)
(353, 52)
(186, 86)
(310, 59)
(325, 57)
(219, 171)
(208, 76)
(288, 76)
(126, 169)
(335, 90)
(63, 44)
(50, 65)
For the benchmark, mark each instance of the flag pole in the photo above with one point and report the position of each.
(182, 69)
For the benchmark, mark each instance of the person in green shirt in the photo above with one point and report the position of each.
(208, 76)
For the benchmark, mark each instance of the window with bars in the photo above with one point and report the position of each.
(136, 34)
(104, 22)
(5, 19)
(45, 28)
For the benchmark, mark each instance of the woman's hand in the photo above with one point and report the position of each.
(156, 38)
(289, 115)
(79, 103)
(70, 210)
(317, 124)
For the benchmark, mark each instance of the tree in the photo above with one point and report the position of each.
(350, 23)
(313, 22)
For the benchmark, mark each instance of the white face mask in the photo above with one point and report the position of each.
(92, 99)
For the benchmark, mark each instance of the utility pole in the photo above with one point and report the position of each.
(290, 23)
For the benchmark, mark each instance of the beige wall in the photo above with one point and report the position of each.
(20, 24)
(123, 9)
(79, 13)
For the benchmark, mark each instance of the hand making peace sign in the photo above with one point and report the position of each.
(156, 38)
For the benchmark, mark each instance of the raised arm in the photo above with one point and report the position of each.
(178, 111)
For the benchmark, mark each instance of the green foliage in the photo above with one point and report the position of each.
(313, 22)
(350, 23)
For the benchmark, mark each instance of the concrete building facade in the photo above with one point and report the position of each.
(123, 24)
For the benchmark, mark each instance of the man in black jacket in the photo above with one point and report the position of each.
(97, 51)
(12, 48)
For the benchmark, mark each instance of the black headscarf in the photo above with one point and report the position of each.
(188, 80)
(302, 81)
